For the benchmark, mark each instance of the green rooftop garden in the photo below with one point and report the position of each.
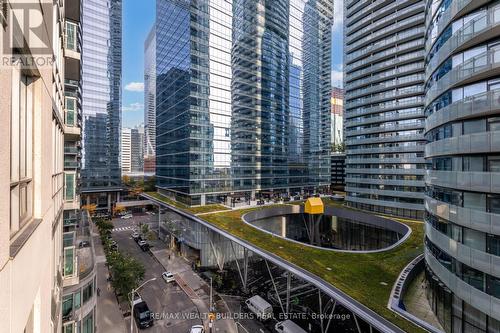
(368, 278)
(186, 208)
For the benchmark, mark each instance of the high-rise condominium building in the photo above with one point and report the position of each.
(101, 101)
(384, 119)
(150, 102)
(462, 106)
(125, 154)
(242, 98)
(78, 274)
(38, 73)
(132, 153)
(337, 117)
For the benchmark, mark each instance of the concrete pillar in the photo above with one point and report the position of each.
(203, 199)
(109, 201)
(118, 197)
(283, 226)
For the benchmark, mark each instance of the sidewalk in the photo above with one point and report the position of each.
(194, 286)
(109, 318)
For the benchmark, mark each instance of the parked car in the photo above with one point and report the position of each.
(197, 329)
(143, 245)
(168, 276)
(136, 236)
(142, 315)
(128, 216)
(84, 244)
(288, 326)
(260, 307)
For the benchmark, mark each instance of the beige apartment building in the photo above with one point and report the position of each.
(33, 195)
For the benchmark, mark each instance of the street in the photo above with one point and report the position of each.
(168, 302)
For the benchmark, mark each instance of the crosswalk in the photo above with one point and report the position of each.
(122, 229)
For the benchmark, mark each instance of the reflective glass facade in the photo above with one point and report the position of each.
(242, 97)
(101, 93)
(462, 129)
(384, 98)
(150, 93)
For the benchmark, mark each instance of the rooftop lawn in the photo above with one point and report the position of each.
(186, 208)
(368, 278)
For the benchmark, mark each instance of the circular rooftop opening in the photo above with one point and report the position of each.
(336, 229)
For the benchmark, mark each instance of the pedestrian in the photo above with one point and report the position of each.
(98, 292)
(169, 257)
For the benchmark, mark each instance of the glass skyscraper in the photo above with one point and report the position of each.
(150, 94)
(101, 99)
(242, 97)
(384, 99)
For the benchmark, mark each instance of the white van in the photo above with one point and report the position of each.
(260, 307)
(288, 326)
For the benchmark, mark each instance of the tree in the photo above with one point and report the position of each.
(118, 209)
(127, 272)
(90, 207)
(144, 229)
(150, 184)
(104, 226)
(338, 148)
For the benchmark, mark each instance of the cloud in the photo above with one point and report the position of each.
(135, 86)
(337, 76)
(133, 107)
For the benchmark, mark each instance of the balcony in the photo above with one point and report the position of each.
(480, 260)
(472, 218)
(83, 252)
(480, 300)
(482, 66)
(486, 142)
(483, 27)
(474, 106)
(466, 180)
(71, 164)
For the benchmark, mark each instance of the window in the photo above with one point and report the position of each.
(21, 185)
(71, 36)
(69, 328)
(3, 12)
(494, 203)
(70, 111)
(494, 163)
(494, 124)
(88, 324)
(475, 201)
(473, 277)
(474, 239)
(473, 163)
(69, 256)
(87, 292)
(474, 126)
(76, 299)
(67, 305)
(493, 244)
(69, 185)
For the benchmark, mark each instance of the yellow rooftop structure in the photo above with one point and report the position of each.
(314, 206)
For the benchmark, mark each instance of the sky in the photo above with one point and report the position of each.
(138, 18)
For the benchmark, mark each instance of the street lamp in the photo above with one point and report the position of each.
(132, 302)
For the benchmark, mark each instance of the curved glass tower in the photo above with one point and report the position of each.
(242, 98)
(462, 108)
(384, 118)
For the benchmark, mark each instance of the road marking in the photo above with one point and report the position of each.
(122, 228)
